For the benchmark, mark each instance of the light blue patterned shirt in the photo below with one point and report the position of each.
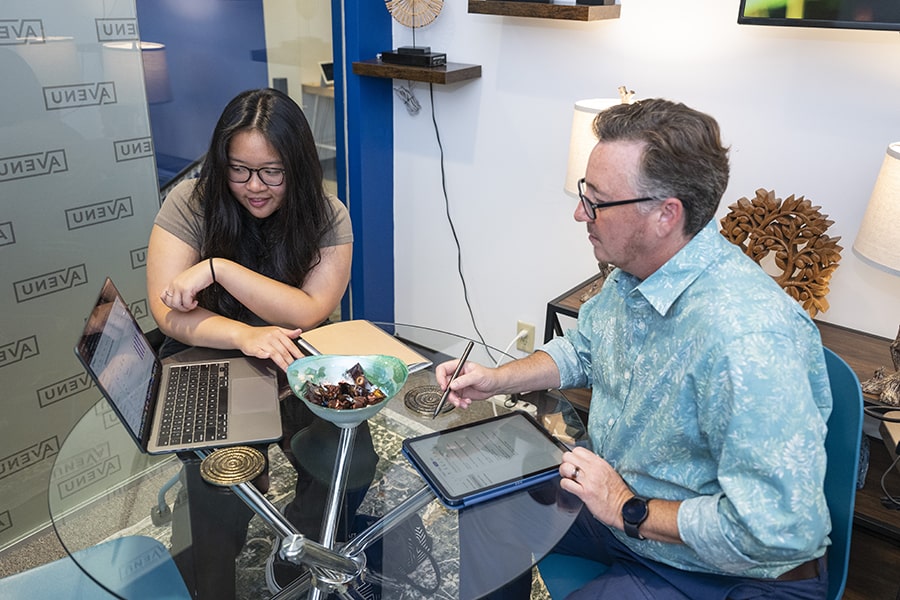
(709, 387)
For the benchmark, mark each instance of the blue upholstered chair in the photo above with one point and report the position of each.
(132, 566)
(564, 574)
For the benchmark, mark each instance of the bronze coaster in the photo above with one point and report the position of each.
(232, 466)
(424, 399)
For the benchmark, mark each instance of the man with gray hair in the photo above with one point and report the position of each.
(709, 388)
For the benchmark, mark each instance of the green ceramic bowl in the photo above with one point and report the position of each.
(387, 373)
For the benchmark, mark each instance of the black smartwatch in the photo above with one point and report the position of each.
(634, 513)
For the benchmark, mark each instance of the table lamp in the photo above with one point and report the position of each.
(581, 143)
(119, 64)
(156, 72)
(582, 140)
(878, 244)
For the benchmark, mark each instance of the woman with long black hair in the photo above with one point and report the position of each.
(245, 257)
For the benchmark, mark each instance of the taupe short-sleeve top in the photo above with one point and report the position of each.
(182, 216)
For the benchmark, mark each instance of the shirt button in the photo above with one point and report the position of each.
(611, 422)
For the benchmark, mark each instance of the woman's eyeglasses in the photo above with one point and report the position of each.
(269, 176)
(591, 207)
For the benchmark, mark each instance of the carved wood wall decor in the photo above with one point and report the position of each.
(789, 235)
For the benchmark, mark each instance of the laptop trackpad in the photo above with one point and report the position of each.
(251, 394)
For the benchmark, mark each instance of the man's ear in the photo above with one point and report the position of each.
(671, 216)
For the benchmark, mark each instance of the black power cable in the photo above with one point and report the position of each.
(437, 135)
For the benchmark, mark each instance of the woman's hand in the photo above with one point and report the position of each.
(181, 293)
(276, 343)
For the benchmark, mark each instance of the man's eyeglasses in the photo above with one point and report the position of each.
(242, 174)
(591, 207)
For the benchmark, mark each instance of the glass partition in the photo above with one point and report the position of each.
(78, 193)
(299, 52)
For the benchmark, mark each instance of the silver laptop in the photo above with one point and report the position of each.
(179, 406)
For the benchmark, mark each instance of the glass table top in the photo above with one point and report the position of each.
(103, 488)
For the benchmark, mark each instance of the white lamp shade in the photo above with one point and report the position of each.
(878, 240)
(582, 139)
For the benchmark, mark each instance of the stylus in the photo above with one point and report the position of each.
(304, 345)
(459, 366)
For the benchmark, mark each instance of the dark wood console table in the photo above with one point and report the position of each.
(863, 352)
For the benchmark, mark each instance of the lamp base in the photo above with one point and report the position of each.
(887, 386)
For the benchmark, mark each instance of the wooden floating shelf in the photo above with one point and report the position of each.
(542, 10)
(449, 73)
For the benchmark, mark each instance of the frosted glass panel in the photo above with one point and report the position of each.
(78, 193)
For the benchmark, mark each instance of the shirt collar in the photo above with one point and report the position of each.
(662, 288)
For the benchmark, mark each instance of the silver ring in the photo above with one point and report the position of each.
(576, 472)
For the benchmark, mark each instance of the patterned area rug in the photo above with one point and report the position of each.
(439, 522)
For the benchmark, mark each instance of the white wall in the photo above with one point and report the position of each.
(298, 37)
(806, 111)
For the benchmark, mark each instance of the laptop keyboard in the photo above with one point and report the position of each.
(196, 405)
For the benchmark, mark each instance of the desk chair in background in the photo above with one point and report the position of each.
(563, 574)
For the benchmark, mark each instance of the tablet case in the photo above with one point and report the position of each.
(514, 447)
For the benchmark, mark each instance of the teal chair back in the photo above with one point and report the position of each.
(133, 567)
(563, 574)
(842, 447)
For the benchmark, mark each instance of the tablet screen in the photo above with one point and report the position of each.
(485, 459)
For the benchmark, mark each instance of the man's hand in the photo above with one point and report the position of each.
(598, 485)
(604, 492)
(474, 382)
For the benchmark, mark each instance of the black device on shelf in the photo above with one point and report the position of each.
(414, 59)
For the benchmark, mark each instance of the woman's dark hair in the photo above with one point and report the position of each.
(683, 154)
(285, 245)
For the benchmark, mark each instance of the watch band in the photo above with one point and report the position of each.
(634, 513)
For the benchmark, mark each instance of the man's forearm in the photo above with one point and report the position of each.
(534, 372)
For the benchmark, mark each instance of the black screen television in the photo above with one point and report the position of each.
(843, 14)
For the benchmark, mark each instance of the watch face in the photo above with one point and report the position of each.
(635, 510)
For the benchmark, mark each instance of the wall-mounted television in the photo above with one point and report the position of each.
(844, 14)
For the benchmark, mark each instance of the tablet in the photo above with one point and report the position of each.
(478, 461)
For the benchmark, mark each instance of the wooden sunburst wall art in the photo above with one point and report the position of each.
(414, 13)
(787, 236)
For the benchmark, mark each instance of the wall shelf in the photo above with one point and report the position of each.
(449, 73)
(542, 10)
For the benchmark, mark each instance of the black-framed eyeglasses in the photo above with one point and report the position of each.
(268, 175)
(591, 207)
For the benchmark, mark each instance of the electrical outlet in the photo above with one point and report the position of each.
(525, 344)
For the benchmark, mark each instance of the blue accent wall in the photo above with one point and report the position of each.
(215, 49)
(369, 164)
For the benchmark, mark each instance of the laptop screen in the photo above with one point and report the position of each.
(117, 354)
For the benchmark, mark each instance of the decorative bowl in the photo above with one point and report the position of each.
(386, 373)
